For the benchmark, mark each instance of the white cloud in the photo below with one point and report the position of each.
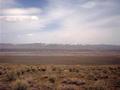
(19, 18)
(20, 11)
(89, 4)
(30, 34)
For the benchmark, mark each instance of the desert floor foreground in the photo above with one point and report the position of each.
(59, 77)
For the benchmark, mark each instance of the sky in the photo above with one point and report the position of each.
(60, 21)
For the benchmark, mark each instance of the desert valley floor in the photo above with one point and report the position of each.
(60, 70)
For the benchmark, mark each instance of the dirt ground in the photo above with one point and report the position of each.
(59, 77)
(60, 57)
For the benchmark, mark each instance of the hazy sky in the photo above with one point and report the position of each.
(60, 21)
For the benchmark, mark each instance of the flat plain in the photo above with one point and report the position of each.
(61, 57)
(60, 70)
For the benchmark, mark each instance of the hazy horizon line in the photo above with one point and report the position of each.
(59, 44)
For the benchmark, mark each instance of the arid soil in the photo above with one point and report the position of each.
(60, 70)
(61, 57)
(59, 77)
(71, 60)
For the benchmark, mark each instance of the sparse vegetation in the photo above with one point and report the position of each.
(19, 85)
(59, 77)
(52, 79)
(11, 75)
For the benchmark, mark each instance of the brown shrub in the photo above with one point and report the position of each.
(73, 81)
(11, 75)
(19, 85)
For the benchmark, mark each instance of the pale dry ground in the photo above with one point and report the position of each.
(69, 60)
(59, 77)
(69, 71)
(60, 57)
(59, 53)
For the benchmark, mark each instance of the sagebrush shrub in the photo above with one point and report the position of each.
(11, 75)
(19, 85)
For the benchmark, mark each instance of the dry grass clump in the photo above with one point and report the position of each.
(74, 81)
(44, 77)
(52, 79)
(67, 87)
(46, 86)
(59, 77)
(91, 77)
(117, 83)
(30, 80)
(11, 75)
(95, 88)
(19, 85)
(20, 71)
(74, 70)
(100, 84)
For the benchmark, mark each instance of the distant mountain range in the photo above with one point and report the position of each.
(41, 46)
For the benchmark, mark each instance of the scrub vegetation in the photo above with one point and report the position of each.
(59, 77)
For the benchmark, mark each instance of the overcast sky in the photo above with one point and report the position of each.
(60, 21)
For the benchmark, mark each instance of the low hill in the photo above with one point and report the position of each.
(41, 46)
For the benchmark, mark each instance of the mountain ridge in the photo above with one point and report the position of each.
(43, 46)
